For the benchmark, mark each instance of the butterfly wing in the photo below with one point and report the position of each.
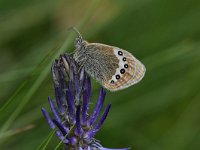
(129, 72)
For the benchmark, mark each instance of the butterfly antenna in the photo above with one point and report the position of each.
(76, 30)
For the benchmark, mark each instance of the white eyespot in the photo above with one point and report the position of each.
(120, 70)
(117, 77)
(120, 53)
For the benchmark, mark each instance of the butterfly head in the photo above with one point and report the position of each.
(80, 47)
(79, 43)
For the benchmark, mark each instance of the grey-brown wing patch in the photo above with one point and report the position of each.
(101, 61)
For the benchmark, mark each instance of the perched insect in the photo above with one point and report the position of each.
(113, 67)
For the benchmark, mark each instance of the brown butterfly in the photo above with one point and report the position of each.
(112, 67)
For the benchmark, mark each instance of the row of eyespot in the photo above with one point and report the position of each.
(122, 71)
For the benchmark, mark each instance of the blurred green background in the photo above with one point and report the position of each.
(162, 112)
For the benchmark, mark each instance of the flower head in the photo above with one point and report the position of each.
(74, 126)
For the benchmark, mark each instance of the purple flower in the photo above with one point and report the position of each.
(74, 126)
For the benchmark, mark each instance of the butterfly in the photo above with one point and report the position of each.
(114, 68)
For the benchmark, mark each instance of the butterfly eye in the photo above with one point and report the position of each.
(79, 40)
(120, 53)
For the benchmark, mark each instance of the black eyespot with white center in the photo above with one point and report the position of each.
(117, 76)
(112, 81)
(126, 66)
(122, 71)
(120, 53)
(124, 59)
